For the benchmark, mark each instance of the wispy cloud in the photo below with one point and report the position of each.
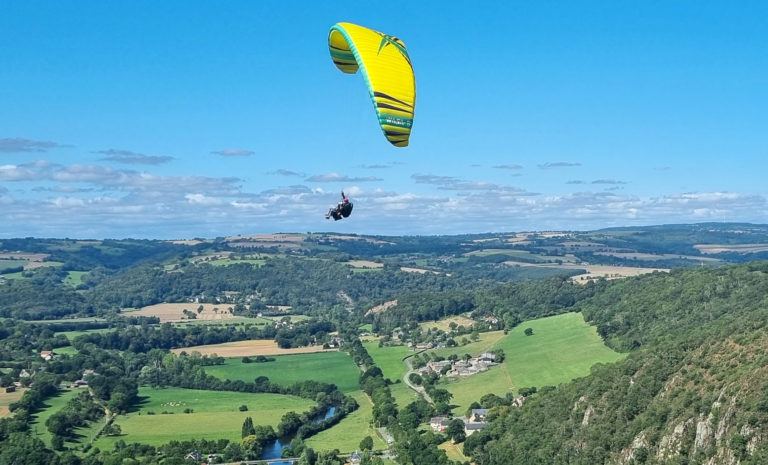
(607, 181)
(233, 153)
(284, 172)
(132, 158)
(510, 166)
(336, 177)
(558, 164)
(575, 181)
(12, 145)
(455, 184)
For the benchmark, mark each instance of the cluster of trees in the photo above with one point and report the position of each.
(511, 303)
(77, 413)
(168, 336)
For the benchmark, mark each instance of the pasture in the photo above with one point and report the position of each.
(49, 407)
(347, 434)
(331, 367)
(249, 348)
(215, 415)
(389, 359)
(402, 394)
(7, 398)
(562, 348)
(71, 335)
(8, 263)
(66, 350)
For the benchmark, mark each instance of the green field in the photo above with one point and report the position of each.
(327, 367)
(389, 359)
(521, 254)
(258, 321)
(5, 263)
(49, 407)
(74, 278)
(403, 394)
(66, 350)
(228, 261)
(561, 348)
(215, 416)
(348, 433)
(71, 335)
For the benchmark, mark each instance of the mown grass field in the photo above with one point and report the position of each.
(66, 350)
(562, 348)
(403, 394)
(327, 367)
(215, 416)
(389, 359)
(49, 407)
(348, 433)
(71, 335)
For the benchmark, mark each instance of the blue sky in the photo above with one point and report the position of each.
(184, 119)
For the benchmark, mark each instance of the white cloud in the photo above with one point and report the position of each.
(100, 201)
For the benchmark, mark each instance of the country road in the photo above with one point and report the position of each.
(419, 389)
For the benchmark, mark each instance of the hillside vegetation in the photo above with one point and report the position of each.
(694, 390)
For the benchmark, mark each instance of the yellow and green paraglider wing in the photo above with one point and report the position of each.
(387, 70)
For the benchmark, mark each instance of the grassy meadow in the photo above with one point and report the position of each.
(389, 359)
(327, 367)
(215, 415)
(561, 348)
(49, 407)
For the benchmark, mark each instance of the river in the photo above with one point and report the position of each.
(274, 450)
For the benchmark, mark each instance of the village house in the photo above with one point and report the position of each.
(439, 424)
(478, 415)
(487, 357)
(46, 355)
(437, 367)
(470, 428)
(518, 402)
(356, 458)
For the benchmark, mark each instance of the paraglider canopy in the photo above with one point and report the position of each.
(387, 70)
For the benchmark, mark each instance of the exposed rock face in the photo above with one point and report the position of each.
(628, 454)
(670, 444)
(704, 432)
(588, 413)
